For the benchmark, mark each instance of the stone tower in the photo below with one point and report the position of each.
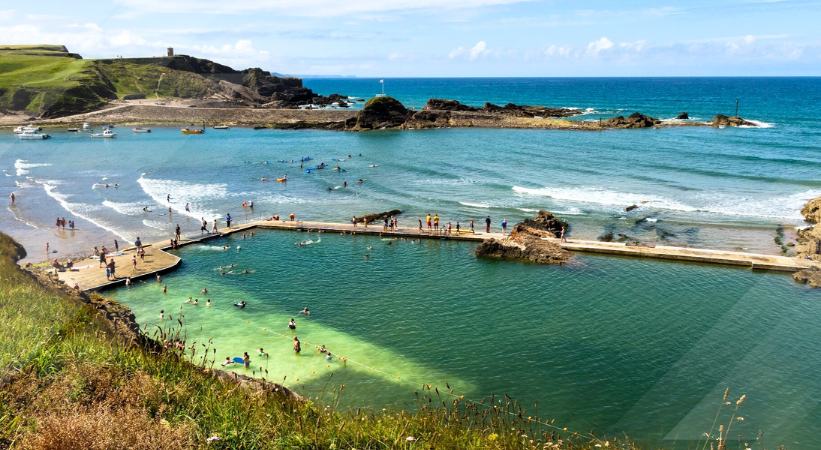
(170, 52)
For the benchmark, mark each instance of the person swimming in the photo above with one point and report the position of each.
(241, 304)
(292, 324)
(227, 362)
(322, 349)
(262, 352)
(328, 356)
(297, 345)
(204, 291)
(305, 311)
(208, 303)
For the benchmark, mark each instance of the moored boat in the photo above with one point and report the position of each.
(27, 129)
(192, 130)
(106, 133)
(221, 127)
(32, 135)
(73, 130)
(141, 130)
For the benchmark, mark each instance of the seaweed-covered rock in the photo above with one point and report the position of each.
(441, 104)
(529, 111)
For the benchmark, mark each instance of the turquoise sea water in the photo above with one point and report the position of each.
(605, 344)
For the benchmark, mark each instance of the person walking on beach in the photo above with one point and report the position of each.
(116, 246)
(138, 243)
(487, 224)
(561, 235)
(204, 226)
(420, 224)
(504, 226)
(134, 262)
(228, 220)
(214, 229)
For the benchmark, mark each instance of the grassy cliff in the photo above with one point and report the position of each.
(67, 381)
(49, 81)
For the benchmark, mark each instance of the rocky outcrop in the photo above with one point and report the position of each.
(812, 211)
(683, 116)
(526, 244)
(380, 113)
(635, 120)
(545, 224)
(810, 277)
(529, 111)
(808, 240)
(720, 120)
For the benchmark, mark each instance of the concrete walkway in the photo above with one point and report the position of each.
(89, 276)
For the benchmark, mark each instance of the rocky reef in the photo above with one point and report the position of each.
(376, 217)
(720, 120)
(635, 120)
(526, 244)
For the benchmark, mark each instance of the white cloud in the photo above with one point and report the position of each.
(301, 8)
(599, 45)
(557, 51)
(473, 53)
(6, 14)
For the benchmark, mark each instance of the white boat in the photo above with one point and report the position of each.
(221, 127)
(27, 129)
(32, 135)
(86, 126)
(105, 134)
(141, 130)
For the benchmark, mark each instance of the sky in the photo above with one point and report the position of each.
(440, 38)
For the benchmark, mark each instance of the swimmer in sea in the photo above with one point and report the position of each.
(292, 324)
(165, 289)
(204, 291)
(306, 311)
(322, 349)
(262, 352)
(241, 304)
(162, 314)
(297, 345)
(227, 362)
(329, 356)
(208, 303)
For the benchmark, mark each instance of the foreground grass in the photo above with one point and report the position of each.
(66, 382)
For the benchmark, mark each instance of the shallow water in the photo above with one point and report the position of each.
(602, 344)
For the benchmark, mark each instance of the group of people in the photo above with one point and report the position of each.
(62, 222)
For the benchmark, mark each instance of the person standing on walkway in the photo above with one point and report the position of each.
(177, 232)
(504, 226)
(487, 224)
(561, 235)
(436, 221)
(138, 243)
(228, 220)
(204, 226)
(428, 220)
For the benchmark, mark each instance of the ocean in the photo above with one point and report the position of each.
(604, 344)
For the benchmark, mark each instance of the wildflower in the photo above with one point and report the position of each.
(492, 437)
(213, 438)
(597, 445)
(410, 438)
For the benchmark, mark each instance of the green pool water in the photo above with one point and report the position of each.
(602, 344)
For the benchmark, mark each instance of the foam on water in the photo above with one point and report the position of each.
(475, 204)
(22, 166)
(197, 195)
(602, 196)
(80, 210)
(758, 124)
(126, 209)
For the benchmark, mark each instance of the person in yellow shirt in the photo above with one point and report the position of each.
(427, 221)
(436, 221)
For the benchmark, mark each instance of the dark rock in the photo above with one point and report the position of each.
(382, 112)
(529, 111)
(137, 96)
(371, 218)
(440, 104)
(720, 120)
(528, 249)
(683, 116)
(545, 224)
(635, 120)
(631, 207)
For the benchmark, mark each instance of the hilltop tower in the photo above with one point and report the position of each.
(170, 52)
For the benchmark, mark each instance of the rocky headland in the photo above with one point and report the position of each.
(525, 242)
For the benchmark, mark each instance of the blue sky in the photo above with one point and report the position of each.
(388, 38)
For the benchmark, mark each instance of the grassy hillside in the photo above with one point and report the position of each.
(67, 382)
(46, 80)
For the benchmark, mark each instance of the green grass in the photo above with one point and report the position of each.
(67, 382)
(43, 71)
(132, 78)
